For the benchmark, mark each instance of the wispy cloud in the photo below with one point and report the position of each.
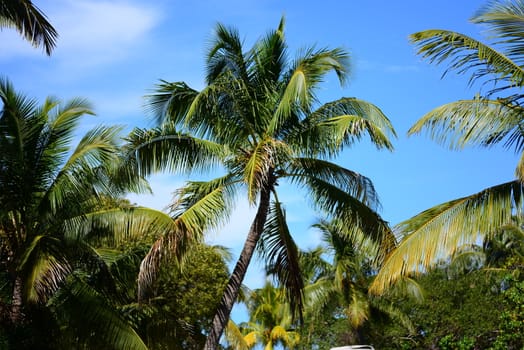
(90, 32)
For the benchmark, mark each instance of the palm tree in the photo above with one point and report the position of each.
(259, 120)
(25, 17)
(339, 284)
(55, 203)
(270, 322)
(491, 118)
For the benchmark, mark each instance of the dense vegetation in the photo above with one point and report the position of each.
(82, 268)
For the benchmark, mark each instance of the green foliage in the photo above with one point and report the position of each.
(184, 301)
(511, 329)
(460, 312)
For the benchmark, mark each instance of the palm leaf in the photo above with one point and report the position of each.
(25, 17)
(356, 217)
(281, 255)
(303, 78)
(164, 148)
(170, 102)
(355, 184)
(199, 206)
(236, 339)
(342, 123)
(44, 267)
(464, 53)
(474, 122)
(437, 232)
(505, 20)
(87, 315)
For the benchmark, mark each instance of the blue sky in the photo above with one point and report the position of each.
(114, 52)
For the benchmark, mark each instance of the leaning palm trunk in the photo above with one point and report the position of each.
(256, 119)
(233, 286)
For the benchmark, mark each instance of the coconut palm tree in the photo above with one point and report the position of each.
(270, 322)
(32, 23)
(494, 116)
(55, 204)
(259, 120)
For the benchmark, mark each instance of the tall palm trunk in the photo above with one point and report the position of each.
(235, 281)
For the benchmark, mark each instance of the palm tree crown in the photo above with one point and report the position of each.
(494, 117)
(56, 201)
(259, 119)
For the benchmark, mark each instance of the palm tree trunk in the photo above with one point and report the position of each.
(235, 281)
(15, 313)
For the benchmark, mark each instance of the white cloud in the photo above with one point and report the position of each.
(90, 32)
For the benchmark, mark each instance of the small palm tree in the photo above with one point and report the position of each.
(259, 120)
(270, 322)
(25, 17)
(491, 118)
(341, 281)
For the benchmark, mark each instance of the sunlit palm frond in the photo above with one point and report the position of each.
(281, 255)
(303, 79)
(318, 295)
(235, 339)
(464, 54)
(164, 148)
(341, 123)
(505, 20)
(474, 122)
(437, 232)
(199, 206)
(115, 226)
(285, 336)
(203, 205)
(86, 171)
(357, 310)
(30, 22)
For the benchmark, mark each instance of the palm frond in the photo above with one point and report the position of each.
(259, 165)
(303, 79)
(198, 207)
(44, 267)
(342, 123)
(117, 225)
(505, 20)
(281, 255)
(225, 55)
(355, 184)
(474, 122)
(164, 148)
(236, 339)
(437, 232)
(170, 102)
(464, 54)
(204, 205)
(86, 314)
(270, 57)
(357, 310)
(352, 213)
(30, 22)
